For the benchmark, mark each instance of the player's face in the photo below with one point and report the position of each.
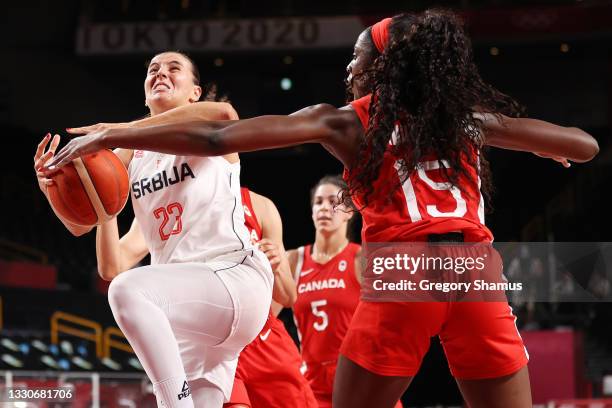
(327, 215)
(362, 59)
(169, 83)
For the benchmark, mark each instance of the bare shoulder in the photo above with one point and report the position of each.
(260, 204)
(268, 216)
(344, 117)
(345, 141)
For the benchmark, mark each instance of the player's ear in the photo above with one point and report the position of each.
(196, 94)
(349, 214)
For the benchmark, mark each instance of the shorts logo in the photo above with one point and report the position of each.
(342, 265)
(185, 392)
(265, 336)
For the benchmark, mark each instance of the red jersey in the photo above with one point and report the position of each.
(250, 219)
(327, 297)
(425, 204)
(268, 369)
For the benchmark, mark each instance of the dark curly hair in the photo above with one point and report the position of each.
(426, 84)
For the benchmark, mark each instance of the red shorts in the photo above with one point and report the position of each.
(321, 379)
(269, 371)
(480, 339)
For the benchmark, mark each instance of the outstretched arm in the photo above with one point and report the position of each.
(187, 113)
(322, 123)
(538, 136)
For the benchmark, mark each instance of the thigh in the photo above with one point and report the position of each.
(481, 341)
(508, 391)
(391, 338)
(206, 394)
(193, 297)
(357, 387)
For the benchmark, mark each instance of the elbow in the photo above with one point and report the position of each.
(285, 297)
(208, 142)
(592, 150)
(228, 111)
(216, 143)
(107, 273)
(588, 149)
(291, 298)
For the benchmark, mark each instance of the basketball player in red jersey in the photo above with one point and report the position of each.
(420, 72)
(328, 274)
(268, 373)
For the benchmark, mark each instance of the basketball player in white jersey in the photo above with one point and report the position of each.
(207, 291)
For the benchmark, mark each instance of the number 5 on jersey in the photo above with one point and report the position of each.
(172, 209)
(314, 305)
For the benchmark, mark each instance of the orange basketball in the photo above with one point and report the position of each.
(91, 190)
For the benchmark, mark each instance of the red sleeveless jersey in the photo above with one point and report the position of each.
(268, 370)
(425, 204)
(327, 297)
(250, 219)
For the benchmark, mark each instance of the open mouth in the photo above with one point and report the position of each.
(161, 87)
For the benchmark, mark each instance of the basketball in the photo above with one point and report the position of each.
(91, 190)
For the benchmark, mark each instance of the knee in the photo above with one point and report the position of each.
(121, 296)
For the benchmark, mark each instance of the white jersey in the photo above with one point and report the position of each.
(189, 208)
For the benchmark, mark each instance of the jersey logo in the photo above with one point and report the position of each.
(138, 154)
(161, 180)
(306, 272)
(185, 391)
(265, 336)
(342, 266)
(330, 283)
(254, 237)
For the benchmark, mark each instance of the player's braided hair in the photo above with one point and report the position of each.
(426, 83)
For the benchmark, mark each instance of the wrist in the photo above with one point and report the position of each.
(108, 138)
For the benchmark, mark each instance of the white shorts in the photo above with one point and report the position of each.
(194, 297)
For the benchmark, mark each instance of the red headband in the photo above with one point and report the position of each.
(380, 34)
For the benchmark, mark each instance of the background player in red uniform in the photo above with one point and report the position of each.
(327, 278)
(422, 74)
(328, 274)
(268, 373)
